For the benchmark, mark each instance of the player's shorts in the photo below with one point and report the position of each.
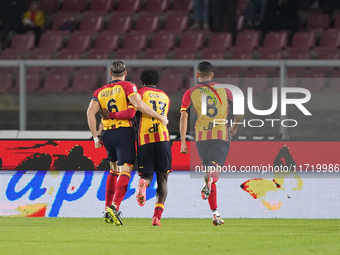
(211, 151)
(154, 157)
(120, 145)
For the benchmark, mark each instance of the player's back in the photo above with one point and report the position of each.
(149, 129)
(211, 107)
(114, 97)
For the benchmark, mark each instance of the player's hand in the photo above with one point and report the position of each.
(164, 120)
(105, 114)
(184, 148)
(98, 144)
(232, 131)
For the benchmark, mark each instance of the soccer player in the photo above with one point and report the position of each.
(154, 148)
(212, 141)
(118, 136)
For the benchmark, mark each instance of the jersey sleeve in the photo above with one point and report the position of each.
(130, 88)
(95, 95)
(186, 101)
(229, 94)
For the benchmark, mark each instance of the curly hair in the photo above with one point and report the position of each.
(149, 77)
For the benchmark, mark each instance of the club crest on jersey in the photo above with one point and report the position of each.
(134, 89)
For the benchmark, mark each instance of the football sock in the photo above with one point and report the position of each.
(110, 187)
(212, 199)
(121, 188)
(159, 207)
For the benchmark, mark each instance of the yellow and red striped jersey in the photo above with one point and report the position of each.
(151, 130)
(217, 108)
(114, 96)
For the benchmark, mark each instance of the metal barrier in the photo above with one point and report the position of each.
(281, 64)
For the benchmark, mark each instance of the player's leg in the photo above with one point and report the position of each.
(202, 148)
(218, 152)
(114, 172)
(145, 158)
(125, 147)
(162, 192)
(163, 161)
(143, 183)
(110, 188)
(111, 183)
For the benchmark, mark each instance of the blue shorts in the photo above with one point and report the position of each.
(120, 145)
(211, 151)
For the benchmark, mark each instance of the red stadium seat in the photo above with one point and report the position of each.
(274, 41)
(119, 23)
(68, 54)
(212, 55)
(242, 55)
(155, 6)
(126, 55)
(271, 55)
(331, 54)
(92, 22)
(330, 40)
(256, 80)
(162, 42)
(79, 42)
(100, 6)
(147, 23)
(190, 41)
(6, 82)
(50, 41)
(84, 82)
(48, 6)
(32, 83)
(11, 54)
(134, 43)
(23, 42)
(176, 23)
(302, 41)
(155, 55)
(106, 41)
(171, 82)
(40, 54)
(313, 81)
(318, 21)
(74, 5)
(182, 5)
(55, 82)
(98, 55)
(218, 42)
(184, 55)
(128, 6)
(247, 40)
(299, 55)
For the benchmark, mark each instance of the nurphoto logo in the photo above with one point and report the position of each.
(209, 103)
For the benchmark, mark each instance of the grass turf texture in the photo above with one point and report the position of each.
(176, 236)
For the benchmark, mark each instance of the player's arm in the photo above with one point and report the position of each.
(127, 114)
(138, 103)
(92, 122)
(183, 123)
(183, 128)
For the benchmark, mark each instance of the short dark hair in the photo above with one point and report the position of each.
(117, 68)
(205, 68)
(149, 77)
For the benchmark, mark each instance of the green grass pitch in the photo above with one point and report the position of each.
(176, 236)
